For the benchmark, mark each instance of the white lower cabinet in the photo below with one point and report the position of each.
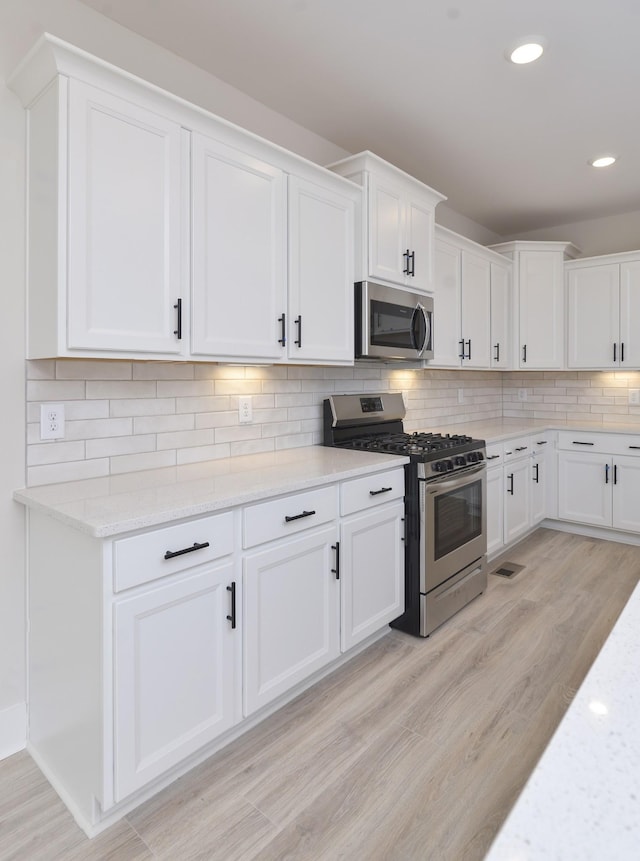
(495, 509)
(541, 477)
(291, 614)
(372, 572)
(517, 506)
(175, 672)
(600, 489)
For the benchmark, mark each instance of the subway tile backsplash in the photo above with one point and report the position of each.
(129, 416)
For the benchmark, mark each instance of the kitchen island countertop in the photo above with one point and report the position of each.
(583, 798)
(115, 504)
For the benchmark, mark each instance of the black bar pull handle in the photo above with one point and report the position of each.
(407, 269)
(492, 456)
(510, 488)
(404, 530)
(413, 264)
(336, 570)
(577, 442)
(496, 347)
(469, 353)
(462, 355)
(536, 476)
(614, 351)
(622, 351)
(524, 353)
(634, 446)
(542, 442)
(178, 332)
(171, 553)
(283, 331)
(232, 617)
(615, 474)
(298, 322)
(288, 519)
(382, 490)
(606, 473)
(522, 447)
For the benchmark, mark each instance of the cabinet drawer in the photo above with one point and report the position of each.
(362, 493)
(585, 442)
(165, 551)
(494, 456)
(517, 448)
(288, 515)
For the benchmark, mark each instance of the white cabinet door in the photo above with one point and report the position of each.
(584, 488)
(419, 226)
(541, 293)
(495, 510)
(291, 615)
(476, 310)
(594, 313)
(517, 505)
(176, 674)
(539, 477)
(629, 314)
(387, 259)
(321, 274)
(127, 217)
(626, 493)
(239, 253)
(371, 572)
(447, 349)
(500, 316)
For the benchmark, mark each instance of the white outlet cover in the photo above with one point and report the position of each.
(51, 421)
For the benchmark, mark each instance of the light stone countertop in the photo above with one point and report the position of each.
(582, 800)
(116, 504)
(496, 430)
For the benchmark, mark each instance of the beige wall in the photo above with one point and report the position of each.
(593, 237)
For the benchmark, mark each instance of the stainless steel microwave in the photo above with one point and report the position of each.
(392, 323)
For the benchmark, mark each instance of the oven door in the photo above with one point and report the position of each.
(392, 323)
(454, 525)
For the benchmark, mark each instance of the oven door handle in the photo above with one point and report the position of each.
(437, 486)
(415, 329)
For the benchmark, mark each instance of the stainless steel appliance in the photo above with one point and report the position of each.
(392, 323)
(445, 504)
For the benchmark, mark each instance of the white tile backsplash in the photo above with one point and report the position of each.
(129, 416)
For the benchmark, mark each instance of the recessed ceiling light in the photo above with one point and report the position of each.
(603, 161)
(526, 50)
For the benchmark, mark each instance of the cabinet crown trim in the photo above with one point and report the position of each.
(369, 161)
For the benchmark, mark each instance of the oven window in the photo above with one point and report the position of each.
(458, 518)
(391, 325)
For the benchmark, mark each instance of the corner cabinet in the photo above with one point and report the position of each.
(108, 226)
(159, 231)
(539, 304)
(398, 222)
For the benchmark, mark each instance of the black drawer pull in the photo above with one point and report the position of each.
(492, 456)
(634, 446)
(232, 617)
(522, 447)
(171, 553)
(542, 442)
(336, 570)
(577, 442)
(382, 490)
(288, 519)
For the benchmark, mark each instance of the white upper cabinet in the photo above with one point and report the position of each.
(239, 253)
(603, 299)
(398, 223)
(107, 229)
(321, 273)
(471, 296)
(538, 295)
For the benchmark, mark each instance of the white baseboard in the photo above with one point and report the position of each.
(13, 730)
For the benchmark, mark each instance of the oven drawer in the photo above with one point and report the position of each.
(288, 515)
(362, 493)
(146, 557)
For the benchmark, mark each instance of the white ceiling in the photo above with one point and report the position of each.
(424, 84)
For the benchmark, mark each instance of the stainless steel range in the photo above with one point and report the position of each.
(445, 504)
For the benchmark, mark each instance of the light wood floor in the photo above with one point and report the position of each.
(416, 749)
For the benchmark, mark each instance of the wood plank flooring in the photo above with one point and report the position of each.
(416, 749)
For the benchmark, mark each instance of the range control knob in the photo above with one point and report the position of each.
(460, 460)
(473, 457)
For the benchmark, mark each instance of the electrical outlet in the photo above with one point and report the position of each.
(522, 394)
(634, 397)
(51, 421)
(245, 410)
(460, 396)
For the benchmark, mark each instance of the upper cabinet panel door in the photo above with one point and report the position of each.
(420, 240)
(239, 253)
(629, 315)
(593, 311)
(126, 221)
(541, 276)
(447, 314)
(321, 272)
(476, 310)
(500, 316)
(386, 253)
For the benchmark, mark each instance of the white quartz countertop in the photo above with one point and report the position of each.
(112, 505)
(496, 430)
(583, 799)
